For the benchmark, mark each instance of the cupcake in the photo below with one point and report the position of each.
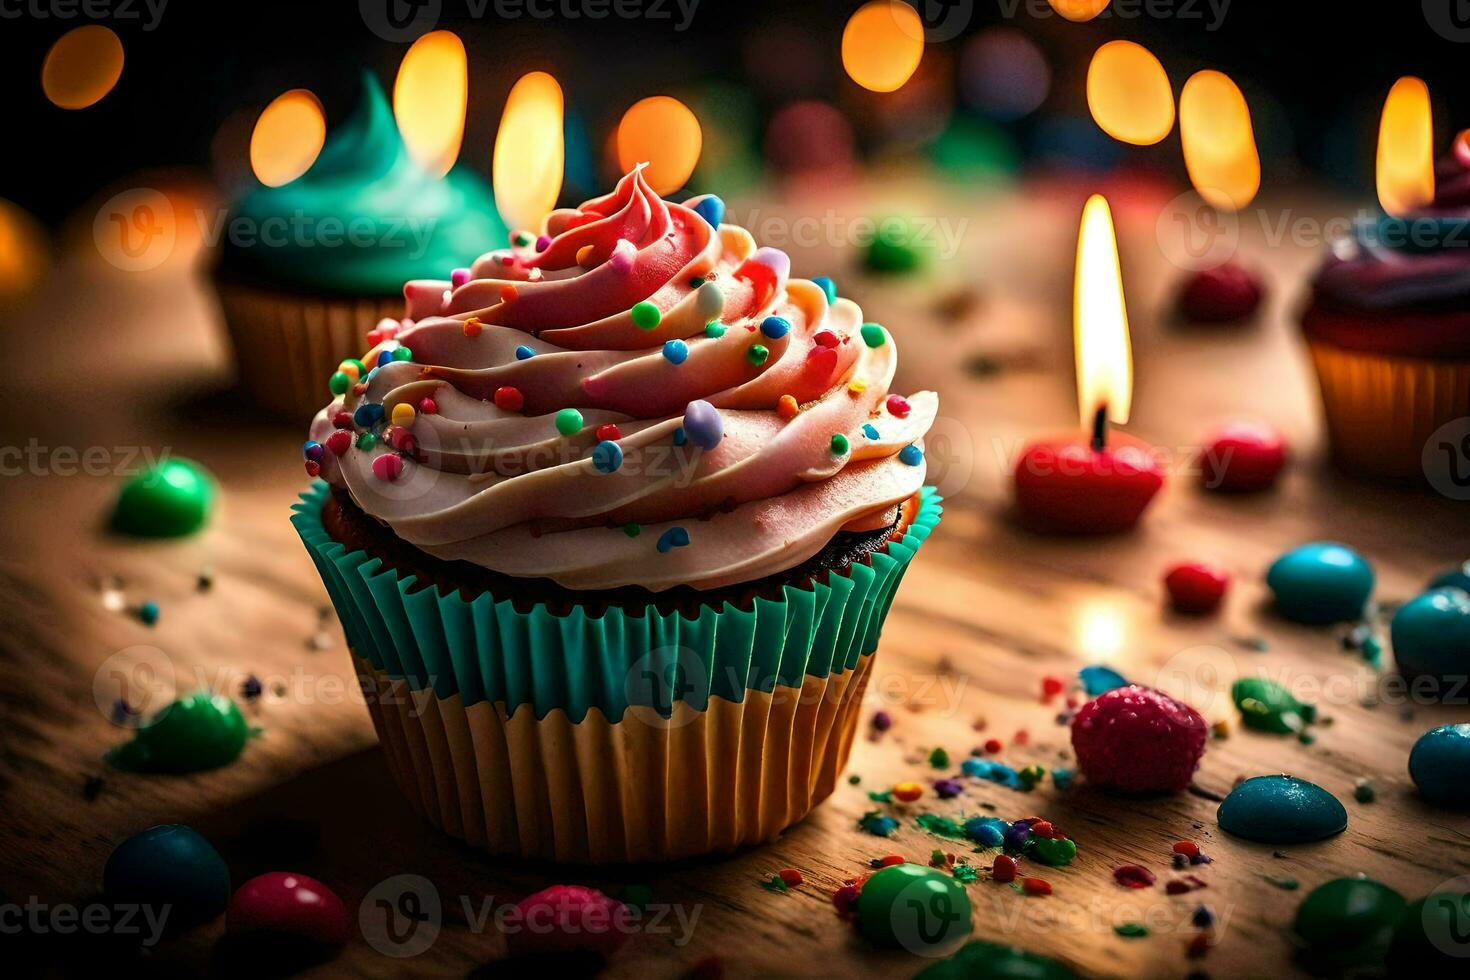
(612, 527)
(309, 267)
(1388, 326)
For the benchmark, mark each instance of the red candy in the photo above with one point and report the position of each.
(609, 433)
(339, 442)
(342, 420)
(992, 745)
(1004, 869)
(1242, 457)
(427, 406)
(1137, 740)
(388, 467)
(825, 338)
(1186, 847)
(1196, 588)
(1051, 687)
(790, 876)
(1133, 876)
(565, 919)
(1226, 292)
(509, 399)
(898, 406)
(284, 903)
(313, 468)
(821, 362)
(1035, 886)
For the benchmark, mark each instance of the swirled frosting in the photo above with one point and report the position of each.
(366, 217)
(637, 397)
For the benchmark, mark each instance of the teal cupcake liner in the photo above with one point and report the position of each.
(487, 650)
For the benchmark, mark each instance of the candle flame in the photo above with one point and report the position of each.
(1219, 142)
(429, 100)
(287, 137)
(1128, 93)
(1100, 320)
(1406, 148)
(529, 152)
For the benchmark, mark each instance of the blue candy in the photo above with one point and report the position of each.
(168, 866)
(1431, 637)
(828, 286)
(869, 431)
(674, 537)
(1319, 583)
(1457, 577)
(1439, 763)
(523, 353)
(775, 327)
(676, 351)
(911, 455)
(709, 207)
(368, 415)
(1281, 810)
(1097, 679)
(607, 456)
(703, 424)
(986, 831)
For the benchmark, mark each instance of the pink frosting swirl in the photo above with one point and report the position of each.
(538, 427)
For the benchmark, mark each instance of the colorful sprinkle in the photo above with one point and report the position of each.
(1131, 930)
(366, 441)
(939, 759)
(674, 537)
(680, 436)
(508, 398)
(342, 420)
(609, 432)
(911, 455)
(948, 789)
(757, 354)
(873, 335)
(427, 406)
(898, 406)
(882, 721)
(403, 414)
(402, 354)
(941, 826)
(388, 467)
(775, 327)
(869, 431)
(339, 442)
(584, 256)
(857, 386)
(839, 444)
(458, 277)
(908, 792)
(339, 383)
(543, 242)
(148, 612)
(520, 239)
(787, 408)
(1035, 886)
(368, 415)
(524, 353)
(676, 351)
(607, 456)
(877, 824)
(645, 315)
(1133, 876)
(569, 421)
(632, 529)
(1004, 869)
(312, 450)
(384, 358)
(509, 293)
(827, 286)
(703, 424)
(714, 328)
(709, 207)
(473, 327)
(825, 338)
(709, 300)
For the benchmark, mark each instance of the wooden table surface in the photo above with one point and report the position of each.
(126, 360)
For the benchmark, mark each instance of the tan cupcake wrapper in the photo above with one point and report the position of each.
(287, 345)
(643, 789)
(1382, 410)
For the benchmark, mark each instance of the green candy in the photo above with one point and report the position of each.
(980, 960)
(757, 353)
(1348, 922)
(839, 448)
(198, 731)
(1053, 852)
(714, 329)
(1429, 935)
(873, 335)
(168, 500)
(915, 908)
(1268, 707)
(569, 421)
(646, 316)
(402, 354)
(895, 247)
(339, 383)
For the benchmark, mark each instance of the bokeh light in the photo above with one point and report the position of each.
(287, 137)
(23, 252)
(664, 133)
(730, 160)
(1219, 141)
(1405, 169)
(82, 66)
(530, 152)
(429, 100)
(975, 150)
(1004, 74)
(1079, 10)
(882, 44)
(1128, 94)
(810, 137)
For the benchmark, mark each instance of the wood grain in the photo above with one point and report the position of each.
(118, 360)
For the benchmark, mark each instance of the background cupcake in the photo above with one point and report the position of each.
(310, 266)
(632, 505)
(1389, 330)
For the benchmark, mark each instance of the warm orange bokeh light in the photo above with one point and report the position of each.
(82, 66)
(22, 251)
(1129, 94)
(1079, 10)
(1406, 148)
(882, 45)
(1100, 320)
(529, 152)
(664, 133)
(429, 100)
(1219, 141)
(287, 137)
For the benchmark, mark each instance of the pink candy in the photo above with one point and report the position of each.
(284, 903)
(568, 918)
(388, 467)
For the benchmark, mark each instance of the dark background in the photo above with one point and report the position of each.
(1314, 73)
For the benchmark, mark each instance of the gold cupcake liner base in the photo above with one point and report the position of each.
(645, 788)
(287, 346)
(1382, 410)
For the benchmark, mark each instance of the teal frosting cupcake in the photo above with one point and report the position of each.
(366, 217)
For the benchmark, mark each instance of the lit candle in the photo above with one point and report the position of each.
(1404, 174)
(1092, 482)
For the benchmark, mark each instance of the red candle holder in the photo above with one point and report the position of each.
(1073, 485)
